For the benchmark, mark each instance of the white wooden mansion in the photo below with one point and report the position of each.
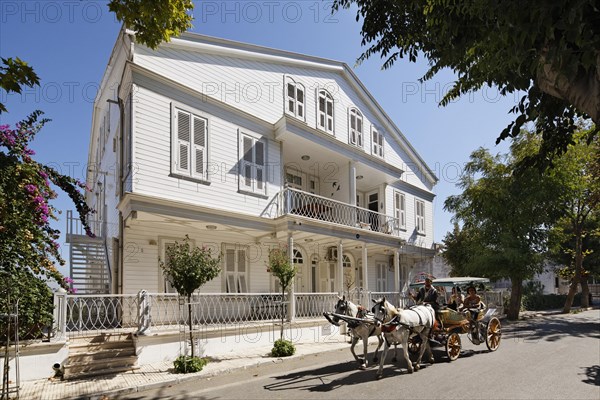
(243, 148)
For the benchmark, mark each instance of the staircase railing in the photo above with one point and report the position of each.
(75, 227)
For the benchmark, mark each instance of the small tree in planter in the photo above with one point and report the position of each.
(282, 269)
(187, 268)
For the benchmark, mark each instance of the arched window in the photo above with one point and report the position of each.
(356, 127)
(294, 95)
(325, 111)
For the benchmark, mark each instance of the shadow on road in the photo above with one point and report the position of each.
(592, 375)
(551, 328)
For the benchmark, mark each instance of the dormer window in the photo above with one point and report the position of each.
(325, 111)
(295, 98)
(376, 143)
(356, 127)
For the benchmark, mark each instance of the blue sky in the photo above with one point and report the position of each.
(69, 43)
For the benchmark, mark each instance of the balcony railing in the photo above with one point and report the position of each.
(296, 202)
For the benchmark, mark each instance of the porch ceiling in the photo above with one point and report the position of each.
(328, 157)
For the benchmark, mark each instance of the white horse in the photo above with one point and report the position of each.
(398, 325)
(359, 328)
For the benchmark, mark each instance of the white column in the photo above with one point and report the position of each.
(340, 270)
(365, 272)
(397, 271)
(352, 183)
(291, 298)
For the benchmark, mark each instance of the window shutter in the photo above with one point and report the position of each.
(259, 153)
(300, 102)
(183, 141)
(200, 128)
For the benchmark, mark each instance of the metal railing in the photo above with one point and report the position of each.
(296, 202)
(397, 299)
(75, 227)
(77, 315)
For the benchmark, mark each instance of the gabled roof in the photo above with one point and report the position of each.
(225, 47)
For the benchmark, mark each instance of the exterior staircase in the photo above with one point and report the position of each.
(104, 354)
(90, 269)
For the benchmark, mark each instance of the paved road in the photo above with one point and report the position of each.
(553, 357)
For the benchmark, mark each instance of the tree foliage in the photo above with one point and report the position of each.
(154, 21)
(27, 241)
(550, 51)
(504, 218)
(187, 268)
(579, 202)
(282, 268)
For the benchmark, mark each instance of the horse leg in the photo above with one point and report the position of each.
(354, 341)
(404, 335)
(431, 359)
(386, 347)
(424, 334)
(395, 359)
(365, 351)
(380, 339)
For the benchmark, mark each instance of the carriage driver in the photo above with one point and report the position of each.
(427, 295)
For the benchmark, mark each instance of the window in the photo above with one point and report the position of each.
(377, 143)
(381, 282)
(236, 270)
(189, 144)
(252, 165)
(400, 209)
(356, 128)
(298, 261)
(325, 111)
(294, 98)
(420, 216)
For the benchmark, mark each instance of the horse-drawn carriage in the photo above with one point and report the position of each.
(415, 326)
(480, 325)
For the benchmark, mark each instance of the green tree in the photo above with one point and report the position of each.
(579, 201)
(154, 21)
(282, 268)
(187, 268)
(504, 216)
(548, 50)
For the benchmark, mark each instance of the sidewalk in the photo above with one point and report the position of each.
(157, 375)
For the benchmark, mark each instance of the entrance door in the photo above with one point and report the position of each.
(301, 278)
(327, 277)
(373, 205)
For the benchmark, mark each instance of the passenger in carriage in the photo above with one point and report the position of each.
(472, 302)
(456, 299)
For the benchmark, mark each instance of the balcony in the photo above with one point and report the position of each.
(319, 208)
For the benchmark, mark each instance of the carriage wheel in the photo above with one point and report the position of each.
(493, 334)
(453, 346)
(414, 345)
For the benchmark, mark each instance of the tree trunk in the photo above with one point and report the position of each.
(282, 312)
(191, 324)
(581, 90)
(577, 277)
(585, 293)
(515, 299)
